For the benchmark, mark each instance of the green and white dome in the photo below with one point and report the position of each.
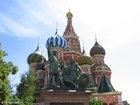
(36, 56)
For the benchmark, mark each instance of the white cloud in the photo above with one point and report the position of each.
(57, 9)
(2, 30)
(12, 27)
(39, 13)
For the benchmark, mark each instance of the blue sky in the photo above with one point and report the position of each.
(116, 24)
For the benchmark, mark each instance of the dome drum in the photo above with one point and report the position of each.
(40, 66)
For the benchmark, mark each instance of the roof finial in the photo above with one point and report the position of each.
(42, 57)
(83, 45)
(95, 37)
(56, 26)
(69, 10)
(83, 48)
(37, 49)
(38, 40)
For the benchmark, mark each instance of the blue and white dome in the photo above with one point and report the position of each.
(58, 41)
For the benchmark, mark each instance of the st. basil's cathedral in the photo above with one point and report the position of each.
(67, 47)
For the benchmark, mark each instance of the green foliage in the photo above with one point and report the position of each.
(125, 103)
(93, 101)
(26, 88)
(5, 70)
(14, 100)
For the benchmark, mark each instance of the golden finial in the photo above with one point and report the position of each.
(42, 57)
(69, 10)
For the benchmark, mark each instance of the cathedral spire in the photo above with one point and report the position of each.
(69, 28)
(73, 43)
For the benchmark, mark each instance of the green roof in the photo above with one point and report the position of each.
(105, 85)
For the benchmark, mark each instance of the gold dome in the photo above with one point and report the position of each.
(83, 59)
(69, 14)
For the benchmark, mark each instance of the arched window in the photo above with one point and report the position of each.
(98, 68)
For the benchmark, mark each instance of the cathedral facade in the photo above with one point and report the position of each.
(67, 47)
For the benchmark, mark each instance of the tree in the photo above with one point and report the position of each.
(125, 103)
(25, 89)
(93, 101)
(6, 68)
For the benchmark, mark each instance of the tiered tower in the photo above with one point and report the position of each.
(73, 49)
(102, 76)
(97, 53)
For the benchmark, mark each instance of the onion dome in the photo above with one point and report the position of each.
(97, 49)
(57, 40)
(36, 56)
(40, 66)
(84, 59)
(69, 14)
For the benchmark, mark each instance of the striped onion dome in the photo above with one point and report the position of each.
(36, 56)
(84, 59)
(58, 41)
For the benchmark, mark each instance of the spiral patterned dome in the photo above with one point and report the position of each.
(97, 49)
(84, 59)
(36, 56)
(58, 41)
